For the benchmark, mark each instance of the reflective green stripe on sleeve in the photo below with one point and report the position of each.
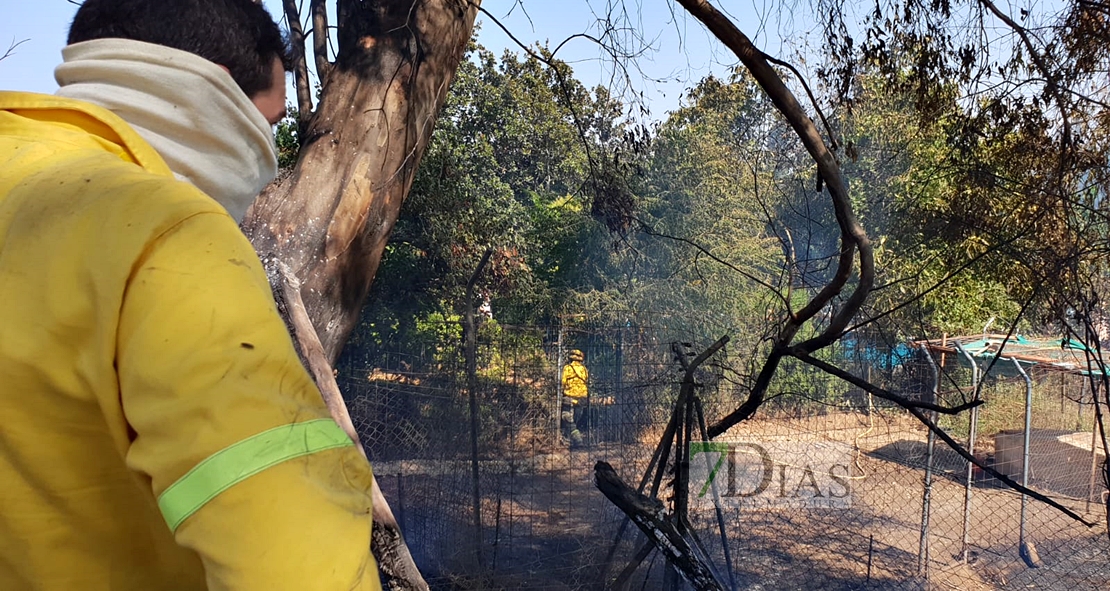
(241, 460)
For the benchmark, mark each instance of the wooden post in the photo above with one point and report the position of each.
(470, 336)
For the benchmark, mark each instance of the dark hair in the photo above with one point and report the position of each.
(237, 34)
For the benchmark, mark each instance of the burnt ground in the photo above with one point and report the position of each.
(545, 526)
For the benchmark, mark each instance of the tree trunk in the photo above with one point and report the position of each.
(330, 219)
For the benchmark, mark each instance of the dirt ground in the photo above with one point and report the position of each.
(546, 527)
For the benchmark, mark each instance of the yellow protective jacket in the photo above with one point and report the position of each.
(157, 430)
(575, 378)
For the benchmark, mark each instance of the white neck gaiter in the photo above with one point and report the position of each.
(187, 108)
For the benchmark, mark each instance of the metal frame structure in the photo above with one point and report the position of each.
(1061, 355)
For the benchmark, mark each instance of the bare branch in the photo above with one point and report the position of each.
(300, 66)
(579, 126)
(853, 237)
(646, 229)
(11, 48)
(1038, 60)
(648, 514)
(755, 396)
(1010, 482)
(880, 392)
(809, 92)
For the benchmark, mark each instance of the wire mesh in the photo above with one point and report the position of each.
(915, 520)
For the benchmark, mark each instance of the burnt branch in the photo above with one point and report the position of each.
(313, 353)
(880, 392)
(853, 238)
(648, 514)
(1042, 66)
(686, 399)
(852, 235)
(809, 92)
(1010, 482)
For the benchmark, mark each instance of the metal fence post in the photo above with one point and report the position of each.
(1095, 387)
(559, 383)
(618, 401)
(927, 492)
(1025, 453)
(973, 421)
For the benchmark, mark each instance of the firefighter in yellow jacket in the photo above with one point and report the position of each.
(157, 430)
(575, 389)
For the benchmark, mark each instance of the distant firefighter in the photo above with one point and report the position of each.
(575, 389)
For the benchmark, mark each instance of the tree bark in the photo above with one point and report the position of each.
(330, 220)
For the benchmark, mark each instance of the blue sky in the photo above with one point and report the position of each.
(680, 53)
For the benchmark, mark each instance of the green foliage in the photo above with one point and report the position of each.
(940, 218)
(288, 139)
(808, 387)
(710, 247)
(505, 169)
(1001, 120)
(729, 233)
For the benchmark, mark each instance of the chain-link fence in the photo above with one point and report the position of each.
(826, 487)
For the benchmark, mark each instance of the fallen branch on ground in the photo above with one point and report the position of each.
(648, 514)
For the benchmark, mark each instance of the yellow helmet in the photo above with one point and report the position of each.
(576, 355)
